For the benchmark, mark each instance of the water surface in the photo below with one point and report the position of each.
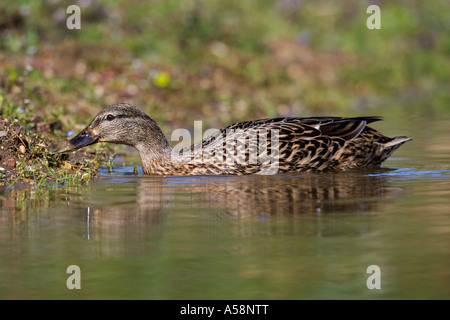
(257, 237)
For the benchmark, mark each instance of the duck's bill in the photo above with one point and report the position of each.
(83, 139)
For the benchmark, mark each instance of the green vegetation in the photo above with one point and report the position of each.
(218, 60)
(26, 158)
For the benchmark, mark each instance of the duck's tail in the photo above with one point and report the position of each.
(396, 142)
(390, 146)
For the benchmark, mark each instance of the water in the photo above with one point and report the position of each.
(257, 237)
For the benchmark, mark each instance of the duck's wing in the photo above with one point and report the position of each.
(299, 139)
(345, 128)
(295, 128)
(293, 145)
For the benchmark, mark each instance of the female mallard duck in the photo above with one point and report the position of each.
(268, 146)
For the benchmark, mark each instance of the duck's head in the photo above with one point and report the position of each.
(123, 124)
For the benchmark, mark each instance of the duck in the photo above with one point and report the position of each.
(266, 146)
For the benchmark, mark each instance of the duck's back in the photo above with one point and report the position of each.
(294, 145)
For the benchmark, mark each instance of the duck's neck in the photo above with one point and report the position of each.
(158, 151)
(151, 143)
(150, 154)
(155, 164)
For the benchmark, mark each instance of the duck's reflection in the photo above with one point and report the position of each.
(126, 221)
(132, 223)
(287, 195)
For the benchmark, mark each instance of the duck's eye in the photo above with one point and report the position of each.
(110, 117)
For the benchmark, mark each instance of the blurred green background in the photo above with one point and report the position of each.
(222, 61)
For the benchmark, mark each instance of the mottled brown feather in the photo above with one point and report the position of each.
(304, 144)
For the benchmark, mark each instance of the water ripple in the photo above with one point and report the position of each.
(414, 173)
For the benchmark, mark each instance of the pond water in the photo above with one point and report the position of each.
(254, 237)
